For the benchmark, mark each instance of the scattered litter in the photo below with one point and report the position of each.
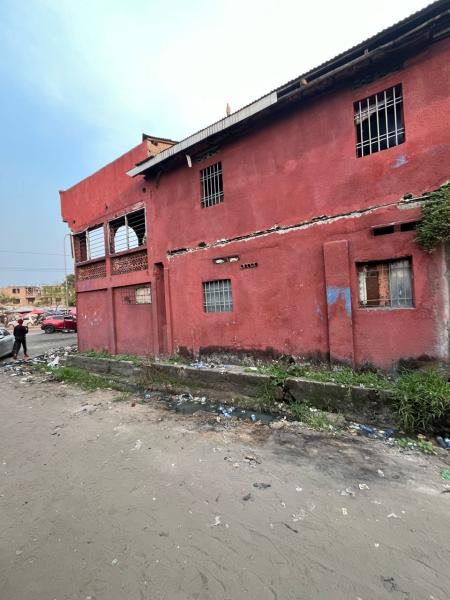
(252, 459)
(199, 365)
(247, 497)
(298, 489)
(348, 492)
(393, 516)
(19, 552)
(377, 545)
(138, 445)
(299, 516)
(261, 486)
(253, 418)
(185, 398)
(289, 527)
(445, 474)
(226, 411)
(344, 512)
(54, 363)
(373, 432)
(114, 561)
(380, 473)
(236, 465)
(217, 521)
(363, 486)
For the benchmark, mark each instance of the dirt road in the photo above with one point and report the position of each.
(116, 502)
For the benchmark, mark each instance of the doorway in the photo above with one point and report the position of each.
(161, 317)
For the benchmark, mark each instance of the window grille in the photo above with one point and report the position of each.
(385, 284)
(90, 244)
(136, 294)
(217, 296)
(379, 121)
(127, 232)
(212, 185)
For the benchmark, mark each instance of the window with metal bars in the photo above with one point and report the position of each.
(217, 296)
(387, 284)
(90, 244)
(136, 294)
(212, 185)
(379, 121)
(127, 232)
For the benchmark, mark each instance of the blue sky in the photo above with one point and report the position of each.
(82, 79)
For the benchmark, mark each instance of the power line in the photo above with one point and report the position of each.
(31, 269)
(26, 252)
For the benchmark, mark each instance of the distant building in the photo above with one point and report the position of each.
(288, 226)
(21, 295)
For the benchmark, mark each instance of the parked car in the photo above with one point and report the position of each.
(65, 323)
(27, 321)
(6, 342)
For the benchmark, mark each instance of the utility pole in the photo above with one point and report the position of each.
(66, 290)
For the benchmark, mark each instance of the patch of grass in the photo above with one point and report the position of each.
(137, 360)
(340, 375)
(422, 401)
(123, 397)
(86, 380)
(406, 443)
(311, 417)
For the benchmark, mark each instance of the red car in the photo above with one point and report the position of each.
(59, 323)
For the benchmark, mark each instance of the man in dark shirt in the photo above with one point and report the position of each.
(20, 333)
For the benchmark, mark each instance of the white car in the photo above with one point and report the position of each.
(6, 342)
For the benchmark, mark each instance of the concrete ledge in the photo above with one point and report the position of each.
(357, 403)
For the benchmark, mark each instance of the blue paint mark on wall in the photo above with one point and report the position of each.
(336, 293)
(400, 161)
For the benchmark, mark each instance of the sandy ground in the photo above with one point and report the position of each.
(117, 502)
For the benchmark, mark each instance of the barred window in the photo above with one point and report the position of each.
(387, 283)
(212, 185)
(136, 294)
(90, 244)
(217, 296)
(127, 232)
(379, 121)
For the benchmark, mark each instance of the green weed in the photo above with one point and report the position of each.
(311, 417)
(137, 360)
(87, 381)
(406, 443)
(422, 401)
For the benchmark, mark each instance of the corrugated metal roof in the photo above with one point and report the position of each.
(435, 8)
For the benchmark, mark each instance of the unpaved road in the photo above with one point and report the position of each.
(138, 503)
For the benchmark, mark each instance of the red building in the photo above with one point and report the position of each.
(286, 227)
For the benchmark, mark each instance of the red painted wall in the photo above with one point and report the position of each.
(282, 303)
(93, 321)
(298, 168)
(305, 165)
(133, 327)
(102, 194)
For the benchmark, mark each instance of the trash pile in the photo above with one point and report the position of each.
(373, 432)
(199, 364)
(53, 358)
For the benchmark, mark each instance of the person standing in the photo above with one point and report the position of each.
(20, 334)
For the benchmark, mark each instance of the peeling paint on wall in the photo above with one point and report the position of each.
(400, 161)
(335, 293)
